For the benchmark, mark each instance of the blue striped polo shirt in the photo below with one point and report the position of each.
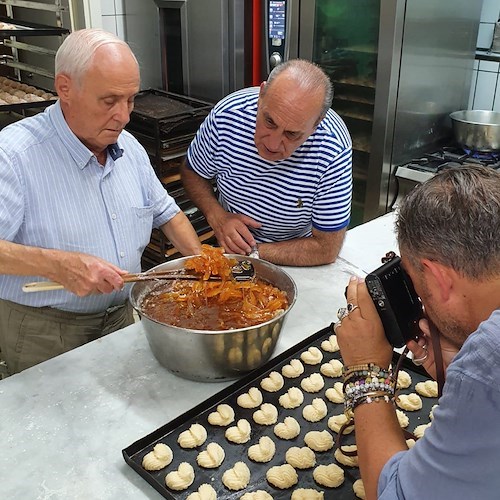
(54, 194)
(311, 188)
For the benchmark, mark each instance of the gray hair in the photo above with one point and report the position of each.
(76, 53)
(308, 76)
(454, 219)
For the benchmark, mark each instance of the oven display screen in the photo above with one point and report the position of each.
(277, 19)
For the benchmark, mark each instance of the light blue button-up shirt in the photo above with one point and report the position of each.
(459, 456)
(55, 194)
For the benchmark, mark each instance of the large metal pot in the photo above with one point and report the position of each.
(214, 355)
(477, 130)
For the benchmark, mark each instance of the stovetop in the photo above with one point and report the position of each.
(422, 168)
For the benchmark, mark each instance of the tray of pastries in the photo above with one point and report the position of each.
(273, 433)
(16, 96)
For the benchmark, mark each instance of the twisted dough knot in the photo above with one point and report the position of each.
(329, 475)
(350, 461)
(330, 345)
(274, 382)
(223, 416)
(307, 494)
(288, 429)
(313, 383)
(263, 451)
(335, 422)
(312, 356)
(319, 440)
(410, 402)
(195, 436)
(293, 370)
(332, 369)
(428, 389)
(315, 411)
(251, 399)
(300, 458)
(293, 398)
(212, 457)
(160, 457)
(205, 492)
(240, 433)
(336, 393)
(282, 476)
(266, 415)
(257, 495)
(181, 478)
(238, 477)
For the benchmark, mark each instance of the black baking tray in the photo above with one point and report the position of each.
(168, 433)
(24, 28)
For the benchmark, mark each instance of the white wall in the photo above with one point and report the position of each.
(485, 89)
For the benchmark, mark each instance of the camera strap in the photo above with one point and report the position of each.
(438, 357)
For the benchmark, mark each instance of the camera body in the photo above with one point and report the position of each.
(397, 303)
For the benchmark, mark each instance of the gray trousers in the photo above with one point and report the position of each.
(30, 335)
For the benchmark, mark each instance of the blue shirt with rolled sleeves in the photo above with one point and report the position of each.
(55, 194)
(459, 454)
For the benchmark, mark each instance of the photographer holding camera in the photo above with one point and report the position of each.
(448, 236)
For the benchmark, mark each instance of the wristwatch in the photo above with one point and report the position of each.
(254, 252)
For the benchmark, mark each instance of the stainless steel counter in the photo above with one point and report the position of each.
(63, 423)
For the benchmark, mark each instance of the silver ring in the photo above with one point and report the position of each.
(420, 361)
(351, 307)
(336, 325)
(342, 313)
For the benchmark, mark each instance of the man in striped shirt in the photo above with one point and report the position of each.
(78, 201)
(282, 163)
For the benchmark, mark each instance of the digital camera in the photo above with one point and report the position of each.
(397, 303)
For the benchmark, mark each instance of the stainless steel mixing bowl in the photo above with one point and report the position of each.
(208, 355)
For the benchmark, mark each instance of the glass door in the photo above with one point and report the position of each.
(345, 45)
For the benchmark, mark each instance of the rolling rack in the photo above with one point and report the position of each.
(165, 123)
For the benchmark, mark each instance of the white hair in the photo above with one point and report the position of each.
(76, 53)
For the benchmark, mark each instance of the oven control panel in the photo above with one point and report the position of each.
(277, 36)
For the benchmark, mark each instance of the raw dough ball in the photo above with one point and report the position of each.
(319, 440)
(240, 433)
(274, 382)
(307, 494)
(312, 356)
(282, 476)
(428, 389)
(288, 429)
(223, 416)
(257, 495)
(266, 415)
(403, 419)
(330, 345)
(316, 411)
(212, 457)
(404, 380)
(181, 478)
(409, 402)
(195, 436)
(238, 477)
(300, 458)
(332, 369)
(420, 430)
(345, 459)
(251, 399)
(336, 393)
(313, 383)
(359, 489)
(160, 457)
(335, 422)
(205, 492)
(263, 451)
(293, 370)
(293, 398)
(329, 475)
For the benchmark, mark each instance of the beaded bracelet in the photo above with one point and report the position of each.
(371, 397)
(368, 368)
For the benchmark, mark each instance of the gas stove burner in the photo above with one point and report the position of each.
(484, 156)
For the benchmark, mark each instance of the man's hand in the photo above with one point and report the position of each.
(232, 232)
(424, 347)
(84, 274)
(361, 335)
